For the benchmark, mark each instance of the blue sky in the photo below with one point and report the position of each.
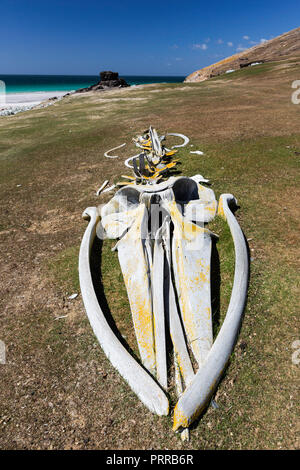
(133, 37)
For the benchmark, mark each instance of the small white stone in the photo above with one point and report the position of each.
(73, 296)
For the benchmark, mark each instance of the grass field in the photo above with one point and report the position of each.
(57, 389)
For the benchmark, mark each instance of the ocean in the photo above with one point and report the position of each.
(48, 83)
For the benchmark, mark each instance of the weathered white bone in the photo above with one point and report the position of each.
(196, 396)
(202, 209)
(199, 179)
(129, 160)
(135, 269)
(120, 212)
(137, 377)
(109, 189)
(119, 215)
(176, 329)
(184, 137)
(102, 187)
(184, 434)
(111, 150)
(116, 224)
(191, 253)
(156, 145)
(157, 282)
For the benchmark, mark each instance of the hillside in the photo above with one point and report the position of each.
(285, 46)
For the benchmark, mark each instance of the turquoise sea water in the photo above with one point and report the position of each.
(31, 83)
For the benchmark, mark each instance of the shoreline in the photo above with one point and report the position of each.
(15, 102)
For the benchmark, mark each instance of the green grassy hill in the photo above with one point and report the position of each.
(57, 389)
(283, 47)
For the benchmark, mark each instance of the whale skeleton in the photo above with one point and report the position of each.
(164, 252)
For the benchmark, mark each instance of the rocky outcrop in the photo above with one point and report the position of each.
(111, 79)
(286, 46)
(108, 79)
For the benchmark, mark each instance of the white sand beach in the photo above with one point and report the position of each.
(12, 103)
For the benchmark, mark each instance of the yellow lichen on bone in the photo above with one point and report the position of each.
(179, 419)
(191, 258)
(134, 267)
(221, 209)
